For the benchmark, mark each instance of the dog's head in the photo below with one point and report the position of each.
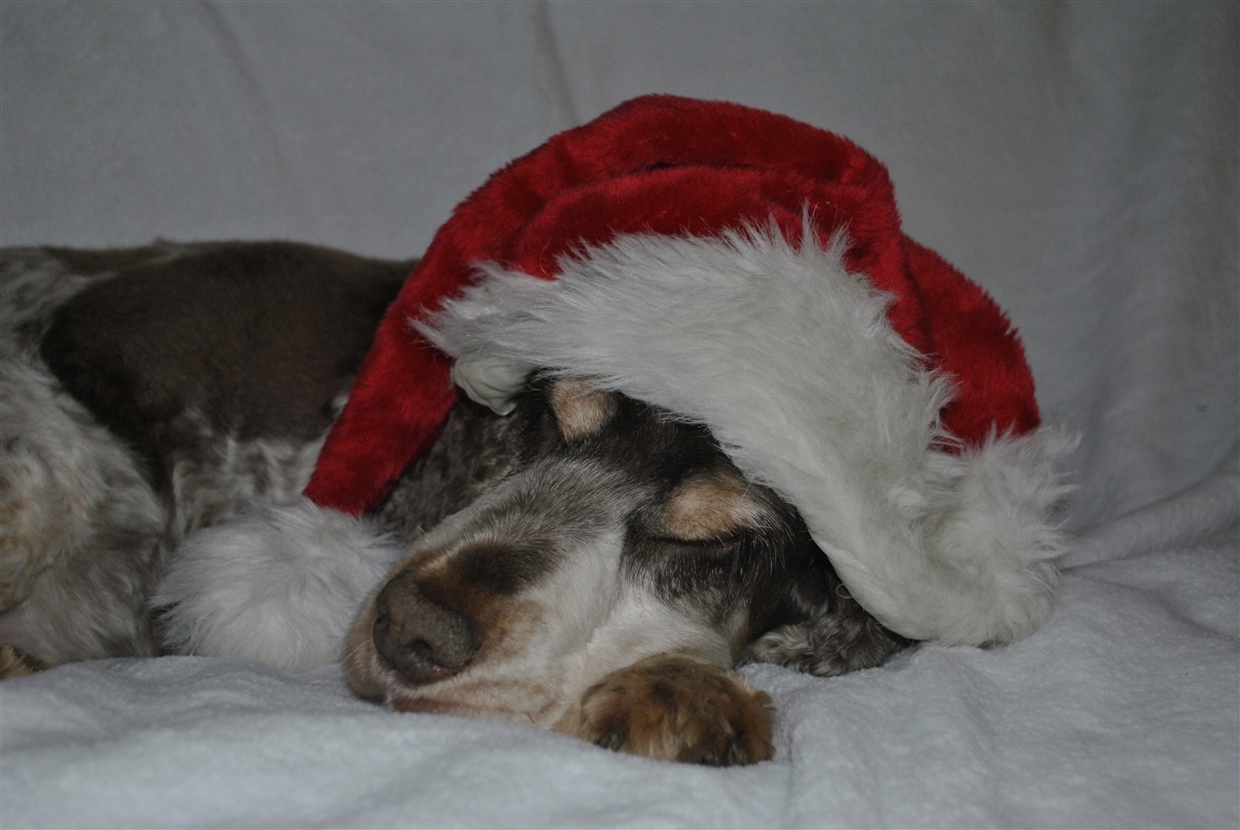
(622, 532)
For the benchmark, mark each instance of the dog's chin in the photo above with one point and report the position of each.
(521, 703)
(467, 695)
(401, 701)
(371, 680)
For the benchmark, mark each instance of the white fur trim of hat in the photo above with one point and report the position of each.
(791, 362)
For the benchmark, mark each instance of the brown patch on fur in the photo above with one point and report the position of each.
(711, 506)
(675, 709)
(491, 613)
(16, 663)
(580, 409)
(258, 339)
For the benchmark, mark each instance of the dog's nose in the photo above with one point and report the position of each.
(423, 640)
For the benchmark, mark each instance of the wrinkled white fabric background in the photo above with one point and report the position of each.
(1079, 160)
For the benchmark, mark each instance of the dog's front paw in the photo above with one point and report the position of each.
(675, 709)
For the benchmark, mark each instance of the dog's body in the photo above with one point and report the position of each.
(588, 563)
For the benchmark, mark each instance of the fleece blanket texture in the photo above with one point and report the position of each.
(1120, 713)
(1079, 161)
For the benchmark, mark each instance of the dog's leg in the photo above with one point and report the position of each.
(675, 709)
(77, 520)
(838, 638)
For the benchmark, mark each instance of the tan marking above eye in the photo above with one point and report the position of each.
(712, 506)
(581, 409)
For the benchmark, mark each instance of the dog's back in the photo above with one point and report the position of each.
(147, 393)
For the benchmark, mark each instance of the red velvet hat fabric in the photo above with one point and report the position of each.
(674, 166)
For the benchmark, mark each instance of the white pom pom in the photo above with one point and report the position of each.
(278, 584)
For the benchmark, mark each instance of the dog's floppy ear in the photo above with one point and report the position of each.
(837, 637)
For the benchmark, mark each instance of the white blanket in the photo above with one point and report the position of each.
(1080, 161)
(1120, 713)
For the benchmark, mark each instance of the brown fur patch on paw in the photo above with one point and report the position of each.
(675, 709)
(16, 663)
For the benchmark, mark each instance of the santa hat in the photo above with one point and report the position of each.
(748, 272)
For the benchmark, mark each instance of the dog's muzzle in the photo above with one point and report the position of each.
(421, 639)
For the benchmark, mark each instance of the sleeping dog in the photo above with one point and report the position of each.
(587, 563)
